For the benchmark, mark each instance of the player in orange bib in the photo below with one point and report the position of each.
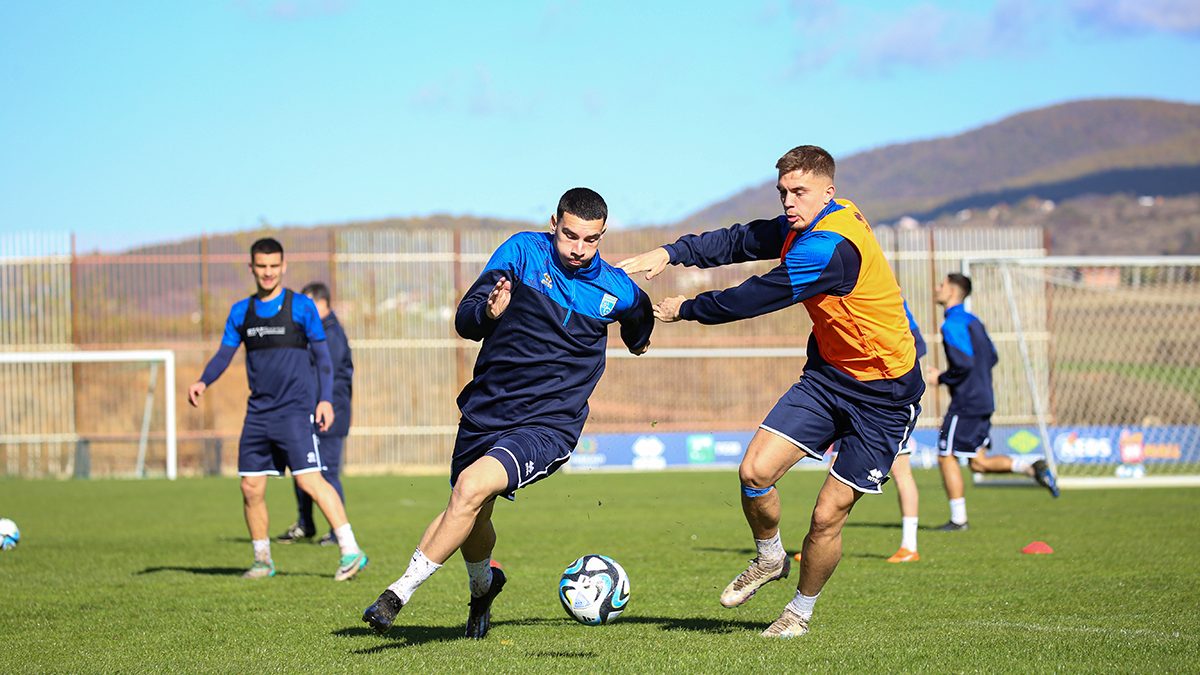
(860, 387)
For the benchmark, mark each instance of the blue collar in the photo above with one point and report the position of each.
(957, 309)
(831, 207)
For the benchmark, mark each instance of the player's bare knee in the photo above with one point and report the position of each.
(253, 491)
(470, 494)
(755, 475)
(976, 464)
(827, 520)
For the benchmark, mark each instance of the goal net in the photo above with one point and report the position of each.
(59, 417)
(1099, 364)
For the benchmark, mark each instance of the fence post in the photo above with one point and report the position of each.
(212, 456)
(83, 458)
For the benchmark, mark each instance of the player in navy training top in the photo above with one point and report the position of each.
(279, 329)
(542, 308)
(331, 441)
(967, 424)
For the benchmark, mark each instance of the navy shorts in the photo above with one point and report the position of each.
(869, 436)
(270, 444)
(528, 454)
(964, 435)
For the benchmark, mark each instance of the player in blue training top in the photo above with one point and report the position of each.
(968, 420)
(279, 329)
(542, 308)
(332, 440)
(860, 387)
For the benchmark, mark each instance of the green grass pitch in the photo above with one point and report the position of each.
(121, 576)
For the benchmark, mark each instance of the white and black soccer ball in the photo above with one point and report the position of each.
(594, 589)
(9, 534)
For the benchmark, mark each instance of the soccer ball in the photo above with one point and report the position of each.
(9, 534)
(594, 589)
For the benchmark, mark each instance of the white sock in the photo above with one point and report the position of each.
(908, 536)
(345, 539)
(958, 510)
(1019, 464)
(480, 576)
(770, 549)
(262, 550)
(803, 604)
(419, 569)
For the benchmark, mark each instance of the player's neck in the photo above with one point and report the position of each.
(952, 304)
(267, 296)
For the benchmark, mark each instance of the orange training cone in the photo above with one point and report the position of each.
(1037, 547)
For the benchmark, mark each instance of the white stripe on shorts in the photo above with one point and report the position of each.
(793, 441)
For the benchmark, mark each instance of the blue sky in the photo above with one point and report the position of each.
(129, 122)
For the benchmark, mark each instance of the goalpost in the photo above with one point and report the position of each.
(39, 401)
(1099, 364)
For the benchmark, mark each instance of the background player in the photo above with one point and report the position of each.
(968, 420)
(860, 385)
(542, 308)
(906, 486)
(332, 440)
(286, 394)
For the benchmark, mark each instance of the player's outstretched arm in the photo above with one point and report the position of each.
(651, 262)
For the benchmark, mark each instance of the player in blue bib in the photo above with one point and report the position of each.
(966, 427)
(287, 395)
(542, 308)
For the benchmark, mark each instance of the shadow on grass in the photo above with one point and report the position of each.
(219, 571)
(412, 636)
(879, 526)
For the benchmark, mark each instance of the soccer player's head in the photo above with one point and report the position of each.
(805, 183)
(267, 264)
(578, 226)
(953, 289)
(319, 293)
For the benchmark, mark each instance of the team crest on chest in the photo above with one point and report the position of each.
(607, 303)
(547, 281)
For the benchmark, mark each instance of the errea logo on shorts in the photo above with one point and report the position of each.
(259, 331)
(528, 468)
(875, 476)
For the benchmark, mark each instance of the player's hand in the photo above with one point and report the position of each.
(498, 298)
(650, 262)
(638, 352)
(195, 392)
(931, 376)
(324, 415)
(667, 310)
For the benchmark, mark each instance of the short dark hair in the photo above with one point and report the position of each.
(960, 280)
(583, 203)
(807, 158)
(266, 246)
(317, 290)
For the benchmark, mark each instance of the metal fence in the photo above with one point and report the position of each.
(395, 292)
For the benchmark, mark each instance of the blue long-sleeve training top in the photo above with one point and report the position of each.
(971, 357)
(280, 368)
(543, 356)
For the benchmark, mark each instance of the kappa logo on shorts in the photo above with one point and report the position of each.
(607, 303)
(875, 476)
(547, 281)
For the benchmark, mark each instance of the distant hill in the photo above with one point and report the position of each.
(1128, 146)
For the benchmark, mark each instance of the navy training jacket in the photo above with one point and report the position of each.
(971, 356)
(543, 356)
